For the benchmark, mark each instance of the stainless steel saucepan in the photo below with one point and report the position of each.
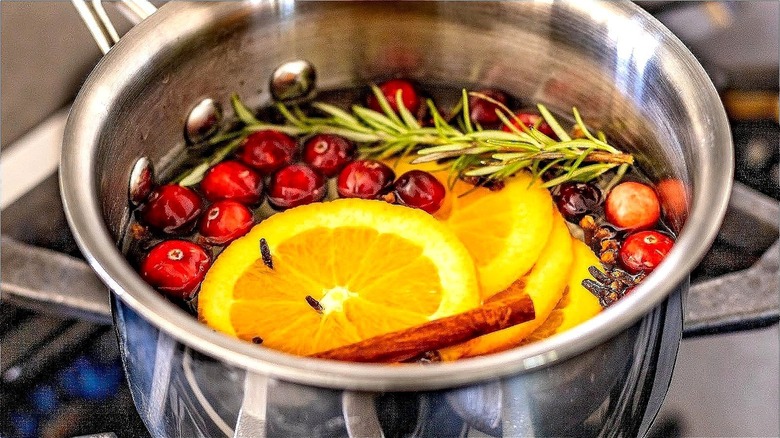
(619, 66)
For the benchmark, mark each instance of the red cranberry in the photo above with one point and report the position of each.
(673, 196)
(328, 153)
(409, 95)
(576, 199)
(530, 120)
(225, 221)
(267, 151)
(484, 112)
(366, 179)
(644, 250)
(633, 206)
(171, 208)
(232, 180)
(294, 185)
(175, 267)
(420, 189)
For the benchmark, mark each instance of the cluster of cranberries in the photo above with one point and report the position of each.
(630, 207)
(269, 165)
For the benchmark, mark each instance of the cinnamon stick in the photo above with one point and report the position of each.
(497, 314)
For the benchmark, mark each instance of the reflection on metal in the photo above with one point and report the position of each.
(98, 435)
(189, 375)
(203, 121)
(141, 181)
(252, 416)
(293, 80)
(655, 390)
(161, 378)
(283, 408)
(482, 406)
(360, 416)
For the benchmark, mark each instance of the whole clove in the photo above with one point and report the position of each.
(613, 283)
(314, 303)
(265, 253)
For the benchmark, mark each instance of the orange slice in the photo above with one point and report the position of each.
(504, 230)
(372, 267)
(577, 304)
(544, 284)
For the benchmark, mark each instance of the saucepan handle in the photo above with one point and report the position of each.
(360, 416)
(99, 24)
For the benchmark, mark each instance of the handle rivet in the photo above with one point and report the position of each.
(203, 121)
(141, 181)
(294, 80)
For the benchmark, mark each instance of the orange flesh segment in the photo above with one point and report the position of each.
(334, 280)
(392, 268)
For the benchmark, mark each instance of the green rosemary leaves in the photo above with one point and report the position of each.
(458, 145)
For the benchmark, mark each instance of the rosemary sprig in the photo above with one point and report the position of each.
(466, 150)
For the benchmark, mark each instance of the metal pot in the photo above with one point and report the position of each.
(619, 66)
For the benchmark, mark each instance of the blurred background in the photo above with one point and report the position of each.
(62, 377)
